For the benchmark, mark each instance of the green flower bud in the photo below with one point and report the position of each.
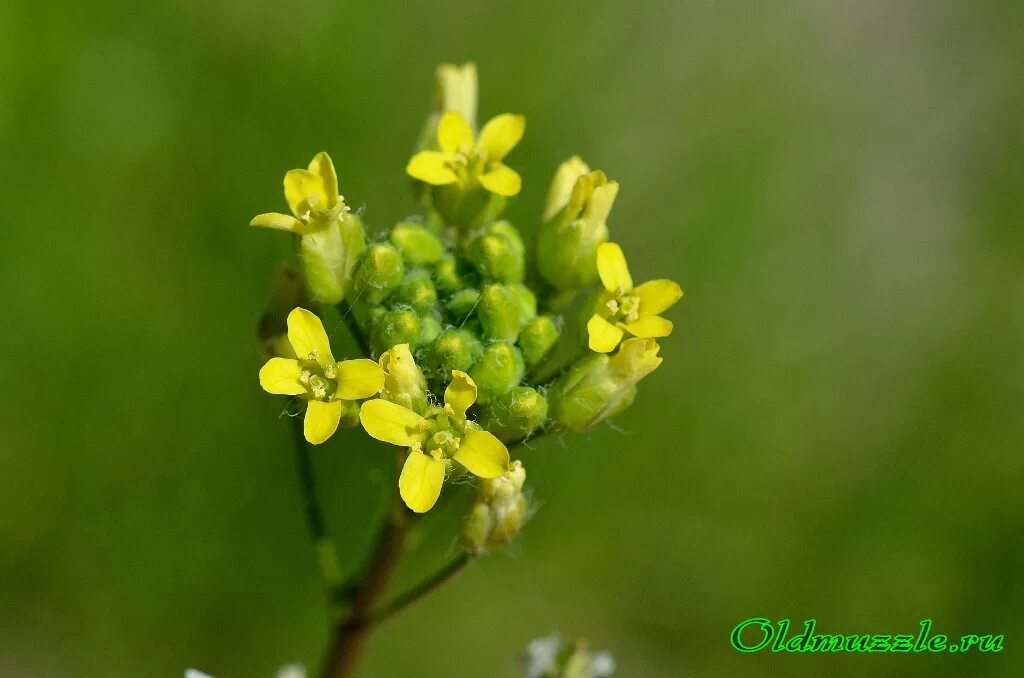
(499, 312)
(498, 253)
(399, 326)
(462, 303)
(380, 270)
(600, 386)
(538, 338)
(498, 512)
(455, 349)
(286, 293)
(328, 257)
(515, 415)
(527, 302)
(430, 328)
(418, 245)
(404, 383)
(447, 276)
(498, 370)
(416, 290)
(567, 241)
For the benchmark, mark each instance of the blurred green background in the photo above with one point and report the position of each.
(836, 431)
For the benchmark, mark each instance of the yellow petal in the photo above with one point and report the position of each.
(307, 336)
(650, 327)
(322, 165)
(421, 480)
(454, 133)
(431, 167)
(502, 180)
(657, 295)
(611, 266)
(500, 135)
(391, 423)
(603, 337)
(280, 222)
(303, 190)
(482, 454)
(321, 420)
(461, 392)
(358, 379)
(281, 376)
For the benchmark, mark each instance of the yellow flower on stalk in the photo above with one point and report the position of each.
(466, 161)
(623, 308)
(326, 385)
(312, 195)
(443, 442)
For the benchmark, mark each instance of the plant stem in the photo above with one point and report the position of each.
(352, 325)
(427, 586)
(353, 633)
(326, 555)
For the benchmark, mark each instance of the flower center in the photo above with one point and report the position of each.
(443, 434)
(320, 380)
(624, 308)
(466, 165)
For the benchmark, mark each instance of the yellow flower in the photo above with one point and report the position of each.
(435, 441)
(326, 385)
(623, 308)
(312, 195)
(467, 161)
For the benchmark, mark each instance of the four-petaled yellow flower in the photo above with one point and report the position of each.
(468, 162)
(623, 308)
(326, 385)
(312, 195)
(437, 442)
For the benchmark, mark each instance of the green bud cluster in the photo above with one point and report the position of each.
(497, 513)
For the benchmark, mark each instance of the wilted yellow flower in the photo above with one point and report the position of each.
(312, 195)
(435, 441)
(467, 161)
(623, 308)
(326, 385)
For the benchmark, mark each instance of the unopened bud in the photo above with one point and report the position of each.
(499, 312)
(430, 328)
(404, 383)
(418, 244)
(498, 512)
(568, 240)
(515, 415)
(399, 326)
(498, 253)
(328, 257)
(538, 338)
(455, 349)
(447, 276)
(463, 303)
(600, 386)
(456, 90)
(527, 302)
(498, 370)
(416, 290)
(379, 271)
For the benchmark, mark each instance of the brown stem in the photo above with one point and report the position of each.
(352, 635)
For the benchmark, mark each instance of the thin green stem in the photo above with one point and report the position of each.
(326, 555)
(424, 588)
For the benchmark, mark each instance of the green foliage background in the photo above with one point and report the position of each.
(836, 431)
